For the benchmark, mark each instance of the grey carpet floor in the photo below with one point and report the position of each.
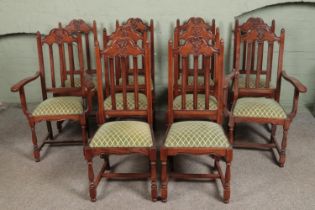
(59, 180)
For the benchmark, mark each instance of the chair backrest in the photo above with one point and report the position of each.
(141, 27)
(197, 25)
(257, 64)
(139, 39)
(58, 48)
(76, 26)
(116, 56)
(194, 27)
(197, 50)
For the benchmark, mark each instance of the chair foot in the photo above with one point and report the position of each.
(282, 160)
(164, 182)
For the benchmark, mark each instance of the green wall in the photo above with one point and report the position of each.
(18, 56)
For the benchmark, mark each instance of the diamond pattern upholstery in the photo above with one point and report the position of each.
(77, 82)
(177, 103)
(259, 107)
(190, 81)
(65, 105)
(196, 134)
(123, 134)
(130, 101)
(252, 81)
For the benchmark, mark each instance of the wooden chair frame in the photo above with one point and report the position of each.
(197, 46)
(256, 31)
(60, 37)
(121, 47)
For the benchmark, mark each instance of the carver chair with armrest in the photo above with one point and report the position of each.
(66, 103)
(255, 98)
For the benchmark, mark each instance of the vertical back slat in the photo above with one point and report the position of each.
(63, 75)
(207, 82)
(195, 97)
(71, 62)
(52, 66)
(135, 79)
(112, 83)
(260, 56)
(184, 80)
(117, 69)
(125, 70)
(253, 56)
(244, 55)
(269, 64)
(248, 64)
(87, 48)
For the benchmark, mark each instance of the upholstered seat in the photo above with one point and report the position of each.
(77, 82)
(130, 101)
(252, 82)
(200, 80)
(65, 105)
(258, 107)
(196, 134)
(123, 134)
(177, 103)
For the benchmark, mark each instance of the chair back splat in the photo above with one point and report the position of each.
(120, 57)
(64, 52)
(79, 26)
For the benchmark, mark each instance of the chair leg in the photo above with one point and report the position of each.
(92, 187)
(273, 132)
(153, 175)
(36, 151)
(50, 131)
(227, 189)
(84, 137)
(164, 176)
(283, 146)
(106, 160)
(59, 126)
(231, 131)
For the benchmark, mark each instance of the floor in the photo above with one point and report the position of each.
(59, 180)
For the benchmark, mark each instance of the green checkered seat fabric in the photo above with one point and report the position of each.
(252, 82)
(123, 134)
(177, 103)
(65, 105)
(196, 134)
(130, 101)
(77, 82)
(190, 81)
(258, 107)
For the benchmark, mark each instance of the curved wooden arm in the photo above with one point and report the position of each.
(23, 82)
(298, 88)
(296, 83)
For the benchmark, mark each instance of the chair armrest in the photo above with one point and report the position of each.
(296, 83)
(23, 82)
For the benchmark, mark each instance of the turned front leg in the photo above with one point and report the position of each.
(164, 176)
(36, 150)
(283, 146)
(153, 175)
(92, 187)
